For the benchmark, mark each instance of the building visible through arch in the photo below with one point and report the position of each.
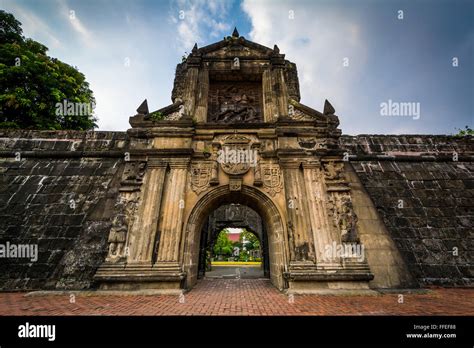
(237, 133)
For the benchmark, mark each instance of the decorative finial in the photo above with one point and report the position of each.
(235, 33)
(276, 49)
(143, 108)
(195, 48)
(328, 108)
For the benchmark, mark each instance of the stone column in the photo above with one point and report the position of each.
(203, 90)
(316, 197)
(269, 112)
(281, 92)
(190, 91)
(172, 213)
(142, 238)
(299, 226)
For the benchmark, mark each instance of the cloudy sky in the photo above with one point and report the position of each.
(356, 54)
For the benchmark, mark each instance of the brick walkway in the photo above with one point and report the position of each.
(241, 297)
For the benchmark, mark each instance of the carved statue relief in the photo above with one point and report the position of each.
(117, 237)
(235, 101)
(126, 206)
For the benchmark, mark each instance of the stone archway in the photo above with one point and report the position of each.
(235, 216)
(253, 198)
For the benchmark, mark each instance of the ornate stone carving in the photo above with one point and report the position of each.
(133, 172)
(235, 101)
(235, 184)
(236, 156)
(271, 178)
(311, 143)
(333, 170)
(117, 237)
(200, 176)
(343, 216)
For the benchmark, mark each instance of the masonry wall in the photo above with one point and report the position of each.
(60, 195)
(56, 167)
(425, 196)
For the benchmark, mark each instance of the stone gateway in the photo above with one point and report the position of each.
(236, 148)
(242, 99)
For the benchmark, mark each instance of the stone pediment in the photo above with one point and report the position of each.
(236, 47)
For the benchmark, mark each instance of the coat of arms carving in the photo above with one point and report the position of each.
(271, 177)
(236, 157)
(200, 176)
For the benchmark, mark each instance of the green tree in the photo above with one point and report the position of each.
(466, 131)
(251, 241)
(33, 85)
(223, 244)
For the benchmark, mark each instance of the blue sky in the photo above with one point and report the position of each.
(128, 51)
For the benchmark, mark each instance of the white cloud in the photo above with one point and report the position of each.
(199, 20)
(70, 14)
(317, 40)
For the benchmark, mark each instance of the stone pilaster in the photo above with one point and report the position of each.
(281, 93)
(202, 92)
(299, 226)
(323, 234)
(142, 237)
(190, 90)
(269, 111)
(172, 214)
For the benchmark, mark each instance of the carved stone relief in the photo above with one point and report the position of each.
(133, 173)
(117, 237)
(235, 101)
(271, 178)
(200, 176)
(236, 156)
(343, 217)
(333, 170)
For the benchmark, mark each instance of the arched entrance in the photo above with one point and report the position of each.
(233, 216)
(255, 199)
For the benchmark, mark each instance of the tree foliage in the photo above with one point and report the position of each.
(223, 245)
(251, 241)
(32, 84)
(466, 131)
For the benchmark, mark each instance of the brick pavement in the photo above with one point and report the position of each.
(241, 297)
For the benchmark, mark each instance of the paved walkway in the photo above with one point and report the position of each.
(234, 272)
(241, 297)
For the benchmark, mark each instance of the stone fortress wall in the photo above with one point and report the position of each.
(60, 194)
